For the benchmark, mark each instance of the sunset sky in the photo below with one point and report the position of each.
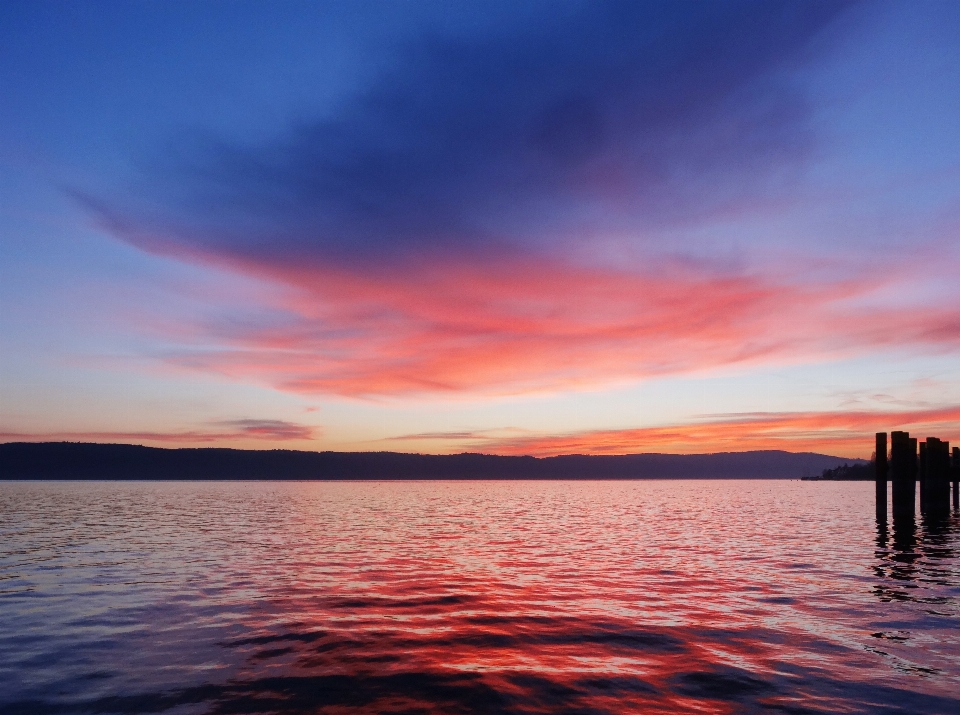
(518, 228)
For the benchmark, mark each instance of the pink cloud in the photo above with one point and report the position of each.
(522, 324)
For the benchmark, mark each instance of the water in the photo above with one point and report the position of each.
(472, 597)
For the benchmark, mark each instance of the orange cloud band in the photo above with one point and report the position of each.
(846, 434)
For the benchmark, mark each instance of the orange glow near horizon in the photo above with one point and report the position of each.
(843, 434)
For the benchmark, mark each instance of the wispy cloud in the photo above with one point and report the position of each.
(519, 325)
(270, 429)
(426, 436)
(242, 430)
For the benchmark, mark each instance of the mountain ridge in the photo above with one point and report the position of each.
(97, 461)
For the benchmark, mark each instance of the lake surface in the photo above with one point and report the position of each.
(473, 597)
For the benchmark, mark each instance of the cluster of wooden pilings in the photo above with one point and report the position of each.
(933, 468)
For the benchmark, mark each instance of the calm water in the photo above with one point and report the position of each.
(477, 597)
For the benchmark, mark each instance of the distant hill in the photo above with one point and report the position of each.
(73, 460)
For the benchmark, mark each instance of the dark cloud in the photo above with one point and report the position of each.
(622, 115)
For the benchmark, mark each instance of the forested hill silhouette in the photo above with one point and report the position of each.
(72, 460)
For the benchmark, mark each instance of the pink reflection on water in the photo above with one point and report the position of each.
(439, 597)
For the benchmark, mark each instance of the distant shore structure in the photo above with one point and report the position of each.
(929, 463)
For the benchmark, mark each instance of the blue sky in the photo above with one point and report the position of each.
(524, 228)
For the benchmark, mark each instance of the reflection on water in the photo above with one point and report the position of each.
(495, 597)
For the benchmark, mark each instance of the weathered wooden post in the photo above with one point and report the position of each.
(914, 462)
(956, 477)
(935, 475)
(923, 476)
(880, 467)
(945, 471)
(903, 463)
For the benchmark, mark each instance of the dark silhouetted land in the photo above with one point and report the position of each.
(850, 471)
(71, 460)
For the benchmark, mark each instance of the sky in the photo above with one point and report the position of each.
(515, 228)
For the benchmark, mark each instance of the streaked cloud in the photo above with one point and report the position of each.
(445, 436)
(518, 325)
(847, 434)
(229, 431)
(270, 429)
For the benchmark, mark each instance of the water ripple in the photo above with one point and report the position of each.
(473, 597)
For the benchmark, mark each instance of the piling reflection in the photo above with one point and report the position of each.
(924, 551)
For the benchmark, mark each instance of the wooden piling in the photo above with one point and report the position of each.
(880, 467)
(945, 473)
(936, 477)
(903, 463)
(956, 477)
(922, 467)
